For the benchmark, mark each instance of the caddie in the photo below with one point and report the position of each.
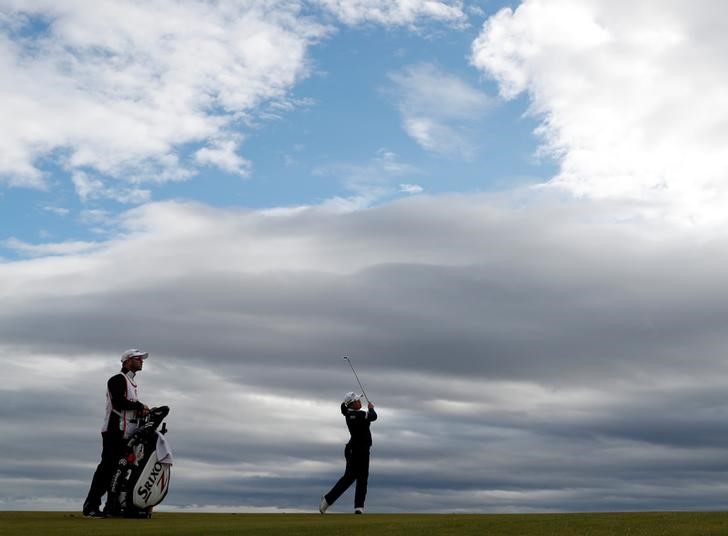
(123, 408)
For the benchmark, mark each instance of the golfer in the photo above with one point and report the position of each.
(122, 411)
(356, 453)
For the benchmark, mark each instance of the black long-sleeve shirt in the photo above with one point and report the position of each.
(119, 402)
(358, 423)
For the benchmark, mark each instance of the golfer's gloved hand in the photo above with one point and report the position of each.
(370, 406)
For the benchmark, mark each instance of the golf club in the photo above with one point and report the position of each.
(357, 379)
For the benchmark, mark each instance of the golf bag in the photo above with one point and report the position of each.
(141, 479)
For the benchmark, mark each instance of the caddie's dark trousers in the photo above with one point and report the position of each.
(113, 448)
(357, 469)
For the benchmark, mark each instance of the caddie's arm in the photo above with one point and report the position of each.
(117, 390)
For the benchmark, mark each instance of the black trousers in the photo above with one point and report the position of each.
(357, 469)
(113, 448)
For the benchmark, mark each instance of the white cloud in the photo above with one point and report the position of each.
(223, 154)
(395, 12)
(411, 188)
(96, 217)
(93, 187)
(119, 90)
(369, 182)
(42, 250)
(438, 137)
(58, 211)
(631, 96)
(437, 108)
(116, 88)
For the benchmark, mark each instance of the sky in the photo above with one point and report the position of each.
(511, 215)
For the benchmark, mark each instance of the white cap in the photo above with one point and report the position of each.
(351, 397)
(133, 352)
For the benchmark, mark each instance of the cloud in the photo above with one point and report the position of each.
(90, 187)
(526, 353)
(147, 93)
(395, 12)
(42, 250)
(630, 97)
(370, 182)
(116, 90)
(411, 188)
(58, 211)
(550, 337)
(437, 109)
(97, 217)
(224, 155)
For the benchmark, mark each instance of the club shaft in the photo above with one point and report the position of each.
(357, 379)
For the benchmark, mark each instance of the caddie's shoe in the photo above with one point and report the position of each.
(94, 514)
(323, 505)
(359, 510)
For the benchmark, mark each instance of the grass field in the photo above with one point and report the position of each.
(622, 524)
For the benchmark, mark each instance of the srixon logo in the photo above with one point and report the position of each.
(145, 490)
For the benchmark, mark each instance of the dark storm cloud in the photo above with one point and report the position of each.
(539, 359)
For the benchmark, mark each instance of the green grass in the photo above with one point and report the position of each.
(616, 524)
